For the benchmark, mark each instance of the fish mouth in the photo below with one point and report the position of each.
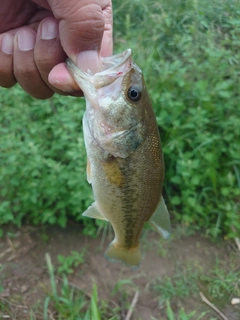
(109, 65)
(112, 68)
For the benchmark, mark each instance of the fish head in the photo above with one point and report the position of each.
(115, 106)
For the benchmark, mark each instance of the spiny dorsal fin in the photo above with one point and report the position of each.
(160, 219)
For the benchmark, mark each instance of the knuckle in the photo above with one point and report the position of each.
(7, 83)
(7, 79)
(23, 72)
(85, 28)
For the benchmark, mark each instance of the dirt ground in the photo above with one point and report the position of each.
(24, 273)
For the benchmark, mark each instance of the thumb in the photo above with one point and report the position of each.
(81, 30)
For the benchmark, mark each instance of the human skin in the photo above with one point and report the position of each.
(37, 36)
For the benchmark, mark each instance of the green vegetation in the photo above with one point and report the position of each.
(72, 303)
(42, 159)
(189, 51)
(183, 284)
(187, 282)
(182, 314)
(176, 296)
(67, 263)
(68, 303)
(189, 54)
(221, 281)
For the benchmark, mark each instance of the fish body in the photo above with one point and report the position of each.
(125, 160)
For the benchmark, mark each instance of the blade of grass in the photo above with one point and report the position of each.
(51, 273)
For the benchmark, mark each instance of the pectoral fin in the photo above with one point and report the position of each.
(160, 219)
(89, 178)
(93, 212)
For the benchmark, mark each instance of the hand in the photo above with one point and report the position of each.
(36, 36)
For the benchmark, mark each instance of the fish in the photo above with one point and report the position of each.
(125, 164)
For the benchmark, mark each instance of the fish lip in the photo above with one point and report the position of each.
(122, 57)
(125, 55)
(98, 79)
(112, 68)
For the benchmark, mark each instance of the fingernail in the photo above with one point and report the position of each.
(68, 90)
(88, 60)
(7, 43)
(49, 30)
(26, 40)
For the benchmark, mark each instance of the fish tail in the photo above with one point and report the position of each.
(130, 257)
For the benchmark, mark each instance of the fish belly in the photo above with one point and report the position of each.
(128, 190)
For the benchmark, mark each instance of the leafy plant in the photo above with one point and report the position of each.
(190, 58)
(221, 282)
(42, 160)
(67, 263)
(189, 52)
(182, 315)
(70, 302)
(183, 284)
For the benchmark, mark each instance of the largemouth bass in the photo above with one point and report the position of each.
(125, 161)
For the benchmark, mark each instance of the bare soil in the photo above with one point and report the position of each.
(25, 279)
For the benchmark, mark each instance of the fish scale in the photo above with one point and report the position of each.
(125, 162)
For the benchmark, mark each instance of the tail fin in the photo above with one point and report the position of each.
(130, 257)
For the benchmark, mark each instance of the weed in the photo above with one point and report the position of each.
(189, 52)
(190, 60)
(44, 237)
(182, 315)
(67, 303)
(67, 263)
(121, 291)
(162, 247)
(221, 282)
(72, 303)
(183, 284)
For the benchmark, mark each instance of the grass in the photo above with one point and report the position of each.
(189, 51)
(67, 263)
(183, 284)
(176, 295)
(67, 301)
(222, 281)
(182, 314)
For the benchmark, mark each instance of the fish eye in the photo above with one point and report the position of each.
(134, 94)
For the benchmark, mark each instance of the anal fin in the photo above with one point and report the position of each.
(160, 219)
(93, 212)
